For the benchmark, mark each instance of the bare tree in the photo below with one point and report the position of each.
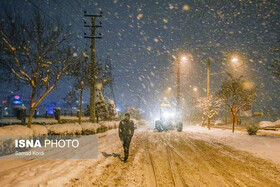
(81, 75)
(236, 92)
(210, 107)
(35, 52)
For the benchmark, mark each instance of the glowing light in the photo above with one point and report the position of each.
(234, 59)
(4, 101)
(17, 97)
(167, 115)
(184, 58)
(17, 102)
(195, 89)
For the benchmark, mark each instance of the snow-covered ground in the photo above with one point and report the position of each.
(264, 124)
(12, 120)
(15, 130)
(267, 147)
(65, 128)
(194, 157)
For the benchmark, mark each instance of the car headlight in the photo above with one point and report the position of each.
(167, 115)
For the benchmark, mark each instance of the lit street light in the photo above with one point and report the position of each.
(184, 58)
(235, 59)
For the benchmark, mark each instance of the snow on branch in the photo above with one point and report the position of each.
(210, 106)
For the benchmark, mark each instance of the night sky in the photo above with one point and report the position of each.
(145, 38)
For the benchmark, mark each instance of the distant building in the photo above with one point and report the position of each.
(10, 104)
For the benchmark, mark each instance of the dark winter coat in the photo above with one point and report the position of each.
(126, 129)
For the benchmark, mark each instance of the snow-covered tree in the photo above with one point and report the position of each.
(209, 106)
(134, 112)
(236, 93)
(101, 107)
(80, 72)
(112, 109)
(36, 52)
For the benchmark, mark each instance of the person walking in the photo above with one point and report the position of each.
(126, 131)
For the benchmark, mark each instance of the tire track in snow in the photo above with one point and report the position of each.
(178, 179)
(149, 164)
(231, 169)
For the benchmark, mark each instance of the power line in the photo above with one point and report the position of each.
(68, 14)
(78, 12)
(33, 4)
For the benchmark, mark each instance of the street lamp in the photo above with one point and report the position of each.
(234, 59)
(236, 62)
(184, 58)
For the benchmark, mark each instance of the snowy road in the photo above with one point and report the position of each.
(180, 159)
(156, 159)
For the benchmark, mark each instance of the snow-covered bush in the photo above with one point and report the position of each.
(264, 124)
(15, 130)
(142, 122)
(277, 123)
(218, 122)
(7, 146)
(134, 112)
(63, 129)
(39, 130)
(110, 125)
(136, 124)
(89, 128)
(252, 127)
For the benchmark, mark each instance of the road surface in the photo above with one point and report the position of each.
(178, 159)
(156, 159)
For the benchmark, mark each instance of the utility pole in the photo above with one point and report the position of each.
(178, 89)
(93, 73)
(208, 90)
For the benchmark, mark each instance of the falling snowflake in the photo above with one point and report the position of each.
(139, 16)
(186, 8)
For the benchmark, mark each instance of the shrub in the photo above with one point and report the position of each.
(7, 146)
(88, 132)
(252, 128)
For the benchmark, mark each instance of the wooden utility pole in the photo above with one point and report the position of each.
(178, 89)
(93, 73)
(208, 90)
